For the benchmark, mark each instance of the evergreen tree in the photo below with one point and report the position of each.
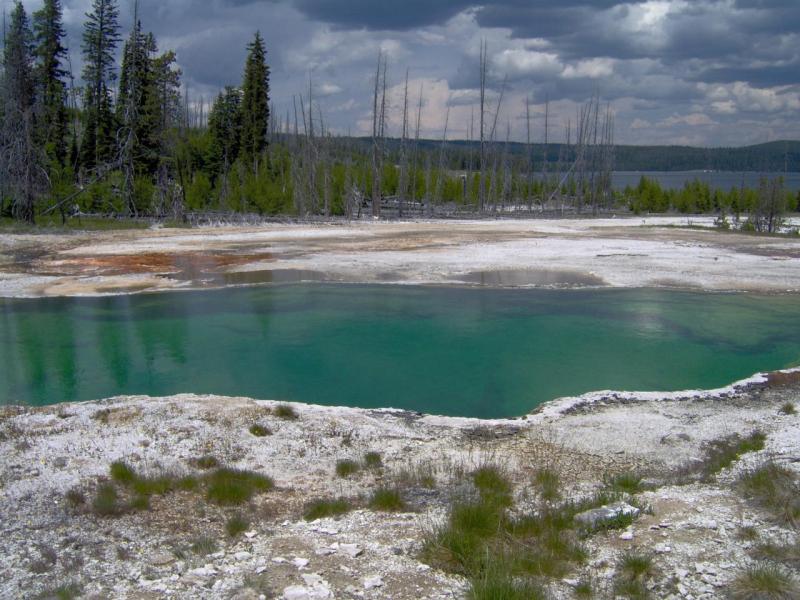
(100, 39)
(255, 102)
(50, 52)
(225, 129)
(19, 155)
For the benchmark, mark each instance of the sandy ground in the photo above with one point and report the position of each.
(693, 531)
(626, 252)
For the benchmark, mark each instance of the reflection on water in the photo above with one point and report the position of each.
(531, 277)
(462, 351)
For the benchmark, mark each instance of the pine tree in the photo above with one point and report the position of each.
(225, 127)
(19, 156)
(50, 52)
(255, 102)
(100, 39)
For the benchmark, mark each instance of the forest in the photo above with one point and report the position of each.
(131, 142)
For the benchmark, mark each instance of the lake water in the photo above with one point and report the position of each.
(724, 180)
(446, 350)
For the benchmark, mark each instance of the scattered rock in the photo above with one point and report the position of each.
(598, 516)
(372, 582)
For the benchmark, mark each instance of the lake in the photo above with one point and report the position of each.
(725, 180)
(478, 352)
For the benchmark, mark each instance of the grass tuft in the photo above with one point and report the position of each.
(260, 431)
(373, 460)
(775, 489)
(788, 409)
(346, 467)
(106, 501)
(234, 486)
(627, 483)
(206, 462)
(320, 509)
(765, 582)
(236, 525)
(204, 546)
(68, 591)
(722, 453)
(75, 497)
(633, 570)
(493, 485)
(286, 412)
(387, 500)
(122, 473)
(548, 484)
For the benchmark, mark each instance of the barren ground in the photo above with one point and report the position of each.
(630, 252)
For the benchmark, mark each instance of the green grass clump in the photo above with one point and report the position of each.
(260, 431)
(106, 501)
(493, 485)
(122, 473)
(319, 509)
(68, 591)
(75, 497)
(765, 582)
(234, 486)
(204, 546)
(584, 589)
(786, 554)
(722, 453)
(747, 533)
(236, 525)
(628, 483)
(140, 503)
(497, 583)
(373, 460)
(286, 412)
(548, 484)
(346, 467)
(775, 489)
(633, 570)
(788, 409)
(387, 500)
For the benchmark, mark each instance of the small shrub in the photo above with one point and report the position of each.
(419, 475)
(498, 583)
(203, 546)
(286, 412)
(584, 589)
(206, 462)
(105, 501)
(154, 486)
(319, 509)
(236, 525)
(373, 460)
(233, 486)
(765, 582)
(387, 500)
(628, 483)
(548, 483)
(493, 485)
(345, 467)
(788, 409)
(75, 498)
(188, 483)
(122, 473)
(260, 430)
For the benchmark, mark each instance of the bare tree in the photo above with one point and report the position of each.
(482, 165)
(402, 187)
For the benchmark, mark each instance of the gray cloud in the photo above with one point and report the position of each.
(667, 66)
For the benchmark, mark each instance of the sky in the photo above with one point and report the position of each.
(693, 72)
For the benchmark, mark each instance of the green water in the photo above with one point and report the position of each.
(454, 351)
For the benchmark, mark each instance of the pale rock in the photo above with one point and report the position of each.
(250, 535)
(662, 549)
(162, 558)
(351, 550)
(242, 556)
(627, 536)
(597, 516)
(260, 569)
(300, 563)
(372, 582)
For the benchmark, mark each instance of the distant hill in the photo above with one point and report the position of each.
(770, 157)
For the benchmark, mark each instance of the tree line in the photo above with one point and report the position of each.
(130, 141)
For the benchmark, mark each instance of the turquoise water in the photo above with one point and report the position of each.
(455, 351)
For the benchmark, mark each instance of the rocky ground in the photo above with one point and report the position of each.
(679, 252)
(57, 538)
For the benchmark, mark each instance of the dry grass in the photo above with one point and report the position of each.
(765, 581)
